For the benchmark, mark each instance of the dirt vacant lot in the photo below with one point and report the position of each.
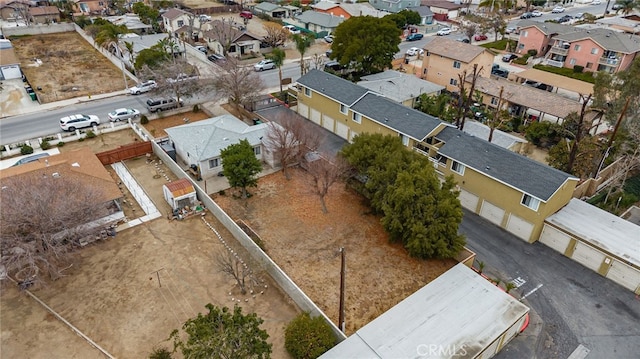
(65, 66)
(305, 244)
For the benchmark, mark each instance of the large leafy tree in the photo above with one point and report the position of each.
(223, 333)
(240, 166)
(366, 43)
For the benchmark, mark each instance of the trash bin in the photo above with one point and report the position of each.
(33, 96)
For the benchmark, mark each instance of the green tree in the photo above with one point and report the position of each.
(413, 17)
(303, 43)
(277, 56)
(150, 57)
(109, 34)
(423, 214)
(308, 338)
(399, 19)
(240, 165)
(366, 42)
(627, 6)
(148, 15)
(436, 105)
(223, 333)
(588, 155)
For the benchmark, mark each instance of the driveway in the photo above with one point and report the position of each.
(575, 305)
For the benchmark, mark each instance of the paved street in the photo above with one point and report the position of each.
(576, 305)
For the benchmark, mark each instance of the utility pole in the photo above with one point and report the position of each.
(158, 275)
(341, 323)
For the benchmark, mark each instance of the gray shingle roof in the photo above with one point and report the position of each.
(403, 119)
(608, 39)
(319, 18)
(267, 6)
(397, 86)
(527, 175)
(547, 28)
(343, 91)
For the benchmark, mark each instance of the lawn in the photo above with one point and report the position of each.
(563, 71)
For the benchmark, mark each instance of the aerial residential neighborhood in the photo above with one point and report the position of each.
(320, 179)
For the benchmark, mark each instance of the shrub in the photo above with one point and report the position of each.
(582, 76)
(543, 134)
(532, 52)
(60, 144)
(222, 192)
(144, 119)
(3, 148)
(522, 60)
(26, 150)
(196, 108)
(307, 338)
(90, 134)
(578, 69)
(81, 139)
(160, 353)
(45, 145)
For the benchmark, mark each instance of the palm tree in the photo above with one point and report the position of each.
(627, 6)
(277, 56)
(495, 5)
(303, 42)
(129, 46)
(109, 35)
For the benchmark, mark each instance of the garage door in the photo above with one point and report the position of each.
(625, 275)
(519, 227)
(588, 256)
(492, 212)
(468, 200)
(11, 72)
(327, 122)
(554, 238)
(315, 116)
(303, 110)
(342, 130)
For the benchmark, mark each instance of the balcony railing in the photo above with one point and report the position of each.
(555, 63)
(608, 61)
(559, 50)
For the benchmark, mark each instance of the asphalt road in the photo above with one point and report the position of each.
(575, 305)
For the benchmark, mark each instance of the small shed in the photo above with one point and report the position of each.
(180, 193)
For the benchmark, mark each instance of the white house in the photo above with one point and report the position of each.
(200, 143)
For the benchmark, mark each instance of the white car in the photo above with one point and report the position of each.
(292, 29)
(143, 87)
(510, 30)
(557, 10)
(123, 114)
(73, 122)
(444, 31)
(536, 13)
(264, 65)
(596, 2)
(415, 51)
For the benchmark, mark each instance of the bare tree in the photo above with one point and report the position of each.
(582, 129)
(44, 215)
(22, 9)
(276, 35)
(474, 78)
(469, 29)
(224, 32)
(231, 264)
(499, 115)
(177, 78)
(238, 83)
(325, 171)
(317, 60)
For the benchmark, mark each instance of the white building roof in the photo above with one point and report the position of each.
(600, 229)
(460, 309)
(500, 138)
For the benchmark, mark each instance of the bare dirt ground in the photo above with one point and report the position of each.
(305, 244)
(70, 67)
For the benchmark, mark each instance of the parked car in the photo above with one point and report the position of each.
(557, 10)
(510, 30)
(509, 57)
(328, 39)
(162, 104)
(292, 29)
(537, 13)
(328, 53)
(201, 48)
(73, 122)
(526, 15)
(264, 65)
(246, 14)
(182, 77)
(143, 87)
(480, 37)
(123, 114)
(596, 2)
(415, 51)
(31, 158)
(579, 15)
(444, 31)
(496, 70)
(204, 18)
(463, 39)
(565, 18)
(617, 6)
(333, 65)
(415, 37)
(216, 57)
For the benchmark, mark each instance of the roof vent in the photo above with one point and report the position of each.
(55, 175)
(488, 168)
(225, 139)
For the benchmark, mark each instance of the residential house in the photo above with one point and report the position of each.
(15, 9)
(629, 24)
(9, 63)
(90, 7)
(200, 143)
(510, 190)
(224, 39)
(538, 36)
(348, 10)
(594, 50)
(132, 22)
(443, 10)
(273, 10)
(394, 6)
(44, 14)
(173, 19)
(142, 42)
(444, 59)
(426, 15)
(317, 22)
(399, 87)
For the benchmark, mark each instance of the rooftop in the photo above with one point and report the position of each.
(398, 86)
(343, 91)
(608, 39)
(319, 18)
(554, 80)
(453, 49)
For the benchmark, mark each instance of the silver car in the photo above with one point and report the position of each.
(123, 114)
(264, 65)
(73, 122)
(143, 87)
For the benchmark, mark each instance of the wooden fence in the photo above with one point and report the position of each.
(125, 152)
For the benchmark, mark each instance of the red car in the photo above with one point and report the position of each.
(480, 37)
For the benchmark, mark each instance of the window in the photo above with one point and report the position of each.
(589, 65)
(453, 82)
(307, 92)
(343, 109)
(357, 118)
(521, 46)
(572, 61)
(180, 23)
(576, 47)
(594, 51)
(456, 64)
(457, 167)
(530, 202)
(405, 140)
(214, 163)
(494, 101)
(442, 160)
(256, 150)
(426, 53)
(524, 33)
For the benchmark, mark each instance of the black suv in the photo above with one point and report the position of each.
(162, 104)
